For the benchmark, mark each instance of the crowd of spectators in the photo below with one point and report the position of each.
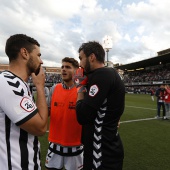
(51, 78)
(141, 89)
(146, 76)
(129, 77)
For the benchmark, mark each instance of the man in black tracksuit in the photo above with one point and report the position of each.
(99, 110)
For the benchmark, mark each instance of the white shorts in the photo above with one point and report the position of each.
(55, 161)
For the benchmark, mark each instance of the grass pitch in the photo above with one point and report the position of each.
(146, 140)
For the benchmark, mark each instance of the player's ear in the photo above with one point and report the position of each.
(24, 53)
(92, 57)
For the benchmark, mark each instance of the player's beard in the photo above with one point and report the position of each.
(32, 67)
(87, 67)
(37, 70)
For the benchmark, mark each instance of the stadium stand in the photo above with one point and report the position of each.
(52, 74)
(139, 77)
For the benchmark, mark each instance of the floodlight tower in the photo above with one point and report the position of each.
(107, 45)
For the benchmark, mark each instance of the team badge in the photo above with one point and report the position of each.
(93, 90)
(27, 104)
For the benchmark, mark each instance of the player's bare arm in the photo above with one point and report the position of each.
(37, 125)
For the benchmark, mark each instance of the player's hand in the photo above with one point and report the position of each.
(39, 79)
(80, 80)
(118, 125)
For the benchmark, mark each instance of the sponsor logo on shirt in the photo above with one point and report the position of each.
(27, 104)
(93, 90)
(58, 104)
(72, 105)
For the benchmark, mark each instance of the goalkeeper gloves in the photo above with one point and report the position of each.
(80, 80)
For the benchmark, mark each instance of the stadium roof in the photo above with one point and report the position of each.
(160, 59)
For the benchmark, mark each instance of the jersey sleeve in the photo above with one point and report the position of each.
(15, 101)
(98, 89)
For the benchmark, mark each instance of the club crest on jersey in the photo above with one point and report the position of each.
(93, 90)
(27, 104)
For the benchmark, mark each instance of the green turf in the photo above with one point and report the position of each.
(146, 143)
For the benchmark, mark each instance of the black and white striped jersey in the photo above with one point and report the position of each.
(19, 150)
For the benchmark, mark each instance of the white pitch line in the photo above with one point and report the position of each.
(138, 120)
(141, 108)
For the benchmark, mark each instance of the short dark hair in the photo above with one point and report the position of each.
(72, 61)
(93, 47)
(15, 42)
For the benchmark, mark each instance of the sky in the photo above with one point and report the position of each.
(138, 29)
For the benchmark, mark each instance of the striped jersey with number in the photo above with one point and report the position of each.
(18, 149)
